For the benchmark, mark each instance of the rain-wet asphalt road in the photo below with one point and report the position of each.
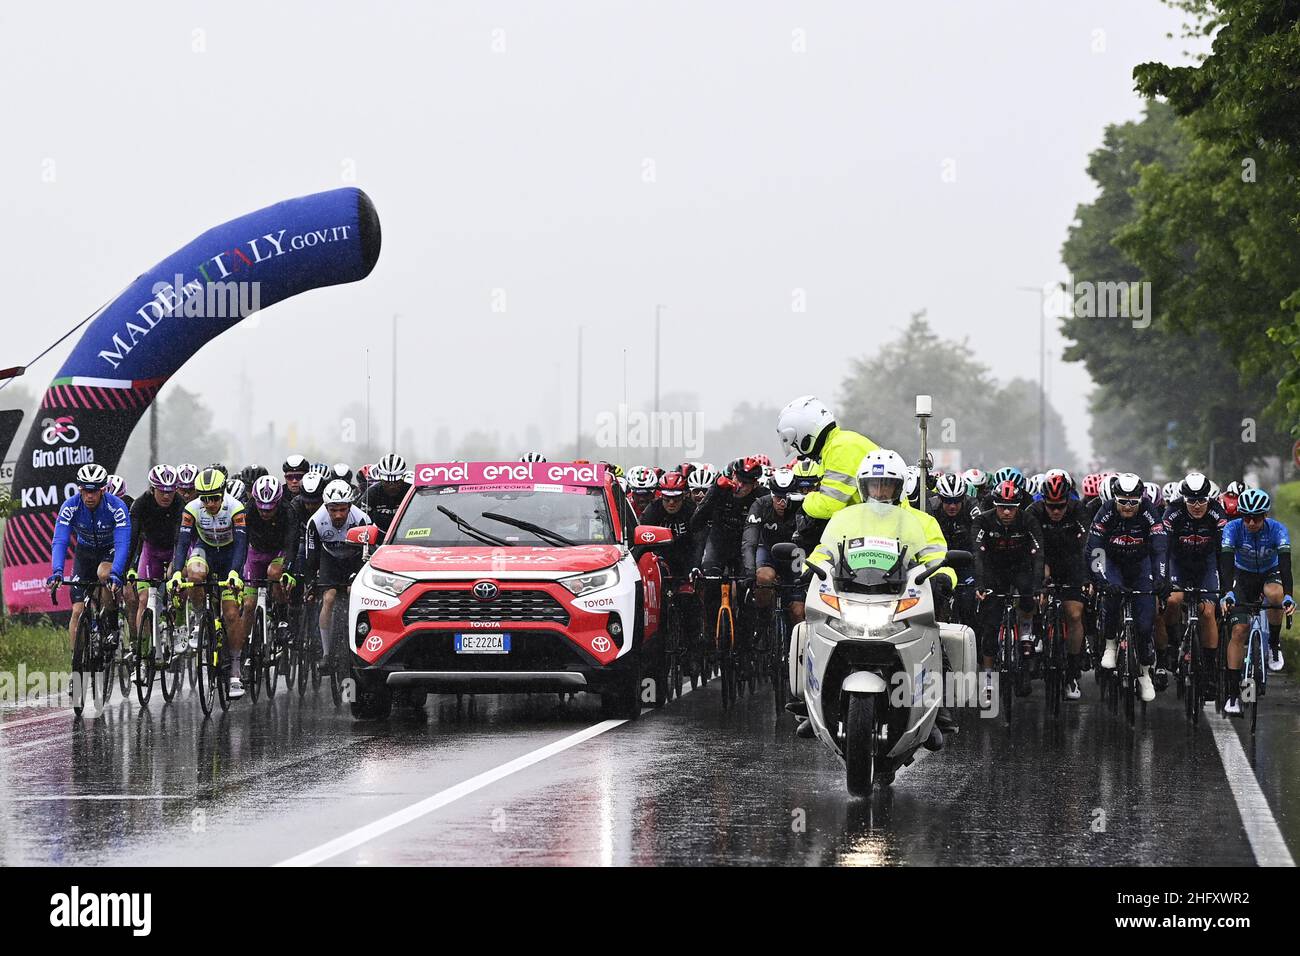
(527, 780)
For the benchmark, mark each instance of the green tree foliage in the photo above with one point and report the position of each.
(991, 424)
(1219, 234)
(1169, 392)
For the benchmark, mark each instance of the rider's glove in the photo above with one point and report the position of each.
(115, 580)
(1288, 604)
(1164, 588)
(53, 579)
(696, 574)
(1229, 599)
(233, 581)
(132, 576)
(288, 580)
(941, 586)
(982, 593)
(175, 583)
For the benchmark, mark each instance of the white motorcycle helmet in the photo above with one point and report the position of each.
(802, 423)
(883, 463)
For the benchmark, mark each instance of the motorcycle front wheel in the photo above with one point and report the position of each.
(860, 744)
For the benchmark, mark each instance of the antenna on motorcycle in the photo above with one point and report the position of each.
(923, 412)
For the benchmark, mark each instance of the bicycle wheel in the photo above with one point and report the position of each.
(273, 654)
(173, 664)
(303, 661)
(1007, 676)
(1128, 683)
(145, 666)
(1256, 676)
(205, 665)
(780, 648)
(82, 672)
(726, 656)
(1189, 683)
(191, 655)
(257, 655)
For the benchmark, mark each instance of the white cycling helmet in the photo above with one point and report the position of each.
(950, 487)
(642, 478)
(1196, 485)
(338, 492)
(235, 487)
(92, 477)
(1170, 491)
(702, 478)
(883, 463)
(1214, 489)
(115, 485)
(531, 456)
(1152, 493)
(1127, 485)
(162, 477)
(1034, 484)
(267, 492)
(802, 423)
(391, 467)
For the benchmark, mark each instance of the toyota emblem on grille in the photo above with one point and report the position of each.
(485, 591)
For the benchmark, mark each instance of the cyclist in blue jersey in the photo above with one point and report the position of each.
(102, 528)
(1255, 559)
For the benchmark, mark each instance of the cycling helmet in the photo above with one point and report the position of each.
(312, 483)
(235, 487)
(1009, 473)
(342, 471)
(1195, 486)
(338, 492)
(803, 423)
(1153, 493)
(1034, 484)
(1104, 489)
(115, 485)
(251, 473)
(782, 483)
(1056, 489)
(1170, 491)
(1127, 485)
(92, 477)
(210, 481)
(1063, 473)
(702, 478)
(614, 470)
(531, 456)
(1214, 489)
(672, 485)
(295, 465)
(318, 468)
(1254, 501)
(389, 468)
(267, 492)
(950, 488)
(883, 463)
(220, 467)
(912, 485)
(1006, 494)
(1234, 488)
(749, 468)
(1091, 485)
(642, 478)
(162, 477)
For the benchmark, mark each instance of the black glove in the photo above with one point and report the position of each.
(942, 587)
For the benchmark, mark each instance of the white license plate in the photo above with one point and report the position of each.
(482, 643)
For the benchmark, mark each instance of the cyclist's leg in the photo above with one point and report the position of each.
(1273, 594)
(1111, 608)
(1025, 604)
(1210, 606)
(1138, 578)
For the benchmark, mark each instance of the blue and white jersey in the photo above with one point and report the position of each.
(1257, 552)
(105, 528)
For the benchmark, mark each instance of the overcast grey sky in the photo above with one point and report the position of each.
(791, 146)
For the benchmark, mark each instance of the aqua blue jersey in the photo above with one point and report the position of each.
(1257, 552)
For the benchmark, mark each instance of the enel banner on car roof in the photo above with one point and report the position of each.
(572, 473)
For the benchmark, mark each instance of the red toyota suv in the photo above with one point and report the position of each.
(499, 577)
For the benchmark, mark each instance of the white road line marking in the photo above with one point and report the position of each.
(442, 798)
(65, 713)
(355, 838)
(1262, 831)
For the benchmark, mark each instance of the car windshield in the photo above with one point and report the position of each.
(578, 515)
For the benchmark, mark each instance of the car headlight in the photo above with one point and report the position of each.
(581, 584)
(393, 584)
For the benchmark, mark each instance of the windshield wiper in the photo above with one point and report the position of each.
(473, 532)
(546, 534)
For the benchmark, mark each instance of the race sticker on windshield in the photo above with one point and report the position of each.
(417, 532)
(879, 554)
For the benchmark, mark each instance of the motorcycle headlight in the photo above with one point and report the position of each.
(393, 584)
(581, 584)
(875, 620)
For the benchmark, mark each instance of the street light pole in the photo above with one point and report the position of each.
(393, 444)
(1042, 372)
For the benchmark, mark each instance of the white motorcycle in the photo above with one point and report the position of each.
(869, 659)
